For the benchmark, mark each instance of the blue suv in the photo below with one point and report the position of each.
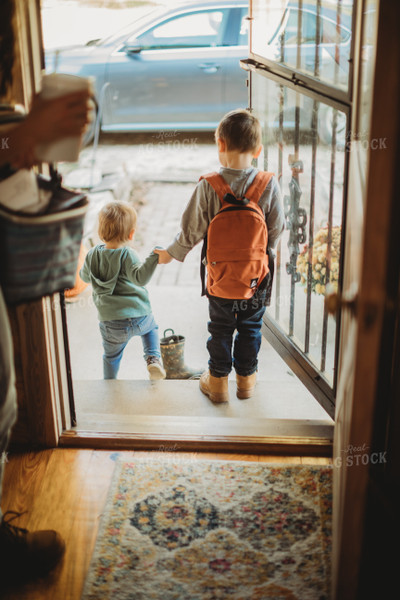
(179, 69)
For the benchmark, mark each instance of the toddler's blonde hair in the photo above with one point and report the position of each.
(116, 221)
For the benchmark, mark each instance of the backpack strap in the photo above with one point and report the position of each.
(221, 188)
(258, 186)
(218, 183)
(253, 192)
(203, 267)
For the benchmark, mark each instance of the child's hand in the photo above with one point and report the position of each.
(164, 257)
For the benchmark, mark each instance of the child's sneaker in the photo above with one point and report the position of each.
(155, 368)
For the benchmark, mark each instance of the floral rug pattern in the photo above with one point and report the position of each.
(208, 530)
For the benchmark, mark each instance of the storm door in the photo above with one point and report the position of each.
(300, 72)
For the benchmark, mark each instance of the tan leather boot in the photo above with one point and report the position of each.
(216, 388)
(245, 385)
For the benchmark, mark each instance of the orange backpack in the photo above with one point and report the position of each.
(235, 248)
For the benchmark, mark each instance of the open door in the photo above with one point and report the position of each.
(370, 305)
(294, 67)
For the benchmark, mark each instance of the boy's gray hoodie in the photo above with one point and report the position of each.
(118, 278)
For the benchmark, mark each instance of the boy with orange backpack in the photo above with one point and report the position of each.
(238, 213)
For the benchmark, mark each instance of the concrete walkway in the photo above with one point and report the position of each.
(177, 304)
(175, 288)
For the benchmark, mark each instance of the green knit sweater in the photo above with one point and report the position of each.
(118, 278)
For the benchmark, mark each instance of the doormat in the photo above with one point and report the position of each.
(206, 530)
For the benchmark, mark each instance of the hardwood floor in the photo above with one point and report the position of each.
(65, 489)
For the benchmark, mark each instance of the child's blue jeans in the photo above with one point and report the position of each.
(226, 316)
(116, 334)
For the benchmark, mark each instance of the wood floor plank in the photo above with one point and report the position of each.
(277, 459)
(315, 460)
(59, 491)
(55, 504)
(23, 478)
(85, 518)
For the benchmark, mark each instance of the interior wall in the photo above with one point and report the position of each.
(35, 389)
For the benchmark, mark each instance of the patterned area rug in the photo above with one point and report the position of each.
(206, 530)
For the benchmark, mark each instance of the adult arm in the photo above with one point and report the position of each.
(47, 121)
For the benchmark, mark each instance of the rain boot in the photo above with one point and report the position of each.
(172, 353)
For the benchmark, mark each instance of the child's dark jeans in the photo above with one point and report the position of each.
(226, 316)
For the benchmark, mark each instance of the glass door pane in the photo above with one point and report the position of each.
(313, 37)
(305, 146)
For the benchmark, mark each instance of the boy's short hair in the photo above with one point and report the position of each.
(240, 130)
(116, 221)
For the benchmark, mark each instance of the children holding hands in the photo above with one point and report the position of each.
(241, 188)
(238, 212)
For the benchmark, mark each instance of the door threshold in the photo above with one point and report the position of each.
(263, 436)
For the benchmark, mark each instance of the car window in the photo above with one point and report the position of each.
(290, 30)
(244, 28)
(309, 28)
(330, 34)
(191, 30)
(310, 37)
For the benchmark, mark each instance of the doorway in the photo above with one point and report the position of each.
(124, 405)
(285, 400)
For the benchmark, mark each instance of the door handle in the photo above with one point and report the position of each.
(209, 67)
(335, 301)
(367, 313)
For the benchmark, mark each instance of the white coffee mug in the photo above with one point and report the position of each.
(53, 86)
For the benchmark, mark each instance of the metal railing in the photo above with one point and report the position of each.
(309, 110)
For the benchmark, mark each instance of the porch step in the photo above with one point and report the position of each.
(178, 408)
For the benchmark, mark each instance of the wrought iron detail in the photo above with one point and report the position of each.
(296, 218)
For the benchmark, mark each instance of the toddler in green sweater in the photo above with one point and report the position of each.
(118, 278)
